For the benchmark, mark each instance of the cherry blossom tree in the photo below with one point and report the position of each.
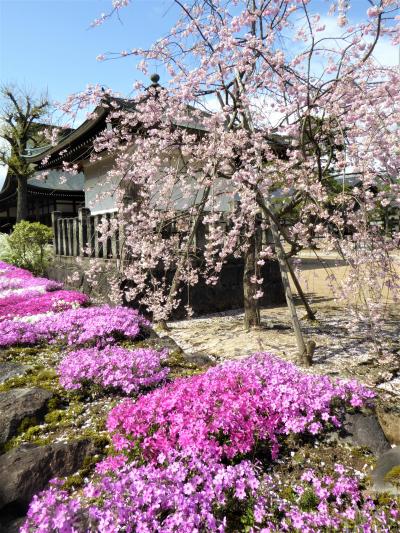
(273, 110)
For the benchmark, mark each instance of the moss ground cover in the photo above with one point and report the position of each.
(241, 446)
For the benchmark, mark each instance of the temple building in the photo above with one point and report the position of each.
(45, 194)
(44, 197)
(78, 235)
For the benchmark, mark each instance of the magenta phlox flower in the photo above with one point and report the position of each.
(230, 408)
(12, 277)
(32, 303)
(13, 271)
(14, 296)
(318, 508)
(81, 326)
(29, 283)
(182, 495)
(53, 510)
(188, 494)
(113, 368)
(13, 332)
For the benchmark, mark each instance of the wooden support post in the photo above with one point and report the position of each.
(98, 245)
(302, 296)
(114, 242)
(95, 241)
(266, 207)
(75, 237)
(55, 216)
(63, 239)
(70, 236)
(66, 246)
(66, 232)
(91, 226)
(302, 351)
(65, 235)
(60, 239)
(200, 239)
(83, 223)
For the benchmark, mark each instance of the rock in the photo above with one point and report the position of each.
(165, 342)
(364, 430)
(24, 471)
(391, 385)
(12, 525)
(11, 370)
(198, 359)
(385, 464)
(17, 404)
(389, 419)
(149, 332)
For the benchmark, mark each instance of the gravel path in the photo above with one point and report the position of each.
(339, 351)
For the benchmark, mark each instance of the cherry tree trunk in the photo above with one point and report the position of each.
(251, 306)
(300, 292)
(283, 264)
(22, 198)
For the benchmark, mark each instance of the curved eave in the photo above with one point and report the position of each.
(73, 138)
(75, 144)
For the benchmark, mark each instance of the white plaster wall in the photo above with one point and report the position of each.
(220, 197)
(99, 190)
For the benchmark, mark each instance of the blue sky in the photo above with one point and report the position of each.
(49, 44)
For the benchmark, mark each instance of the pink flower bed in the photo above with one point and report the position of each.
(188, 494)
(182, 496)
(13, 297)
(83, 326)
(322, 503)
(232, 407)
(13, 332)
(193, 436)
(12, 277)
(11, 270)
(34, 304)
(12, 282)
(113, 368)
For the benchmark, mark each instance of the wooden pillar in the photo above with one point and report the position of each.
(65, 234)
(66, 247)
(91, 236)
(98, 245)
(55, 216)
(114, 240)
(62, 236)
(70, 236)
(83, 229)
(75, 237)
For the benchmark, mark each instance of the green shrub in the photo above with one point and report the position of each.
(4, 247)
(28, 246)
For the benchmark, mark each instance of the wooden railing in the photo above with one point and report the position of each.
(80, 237)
